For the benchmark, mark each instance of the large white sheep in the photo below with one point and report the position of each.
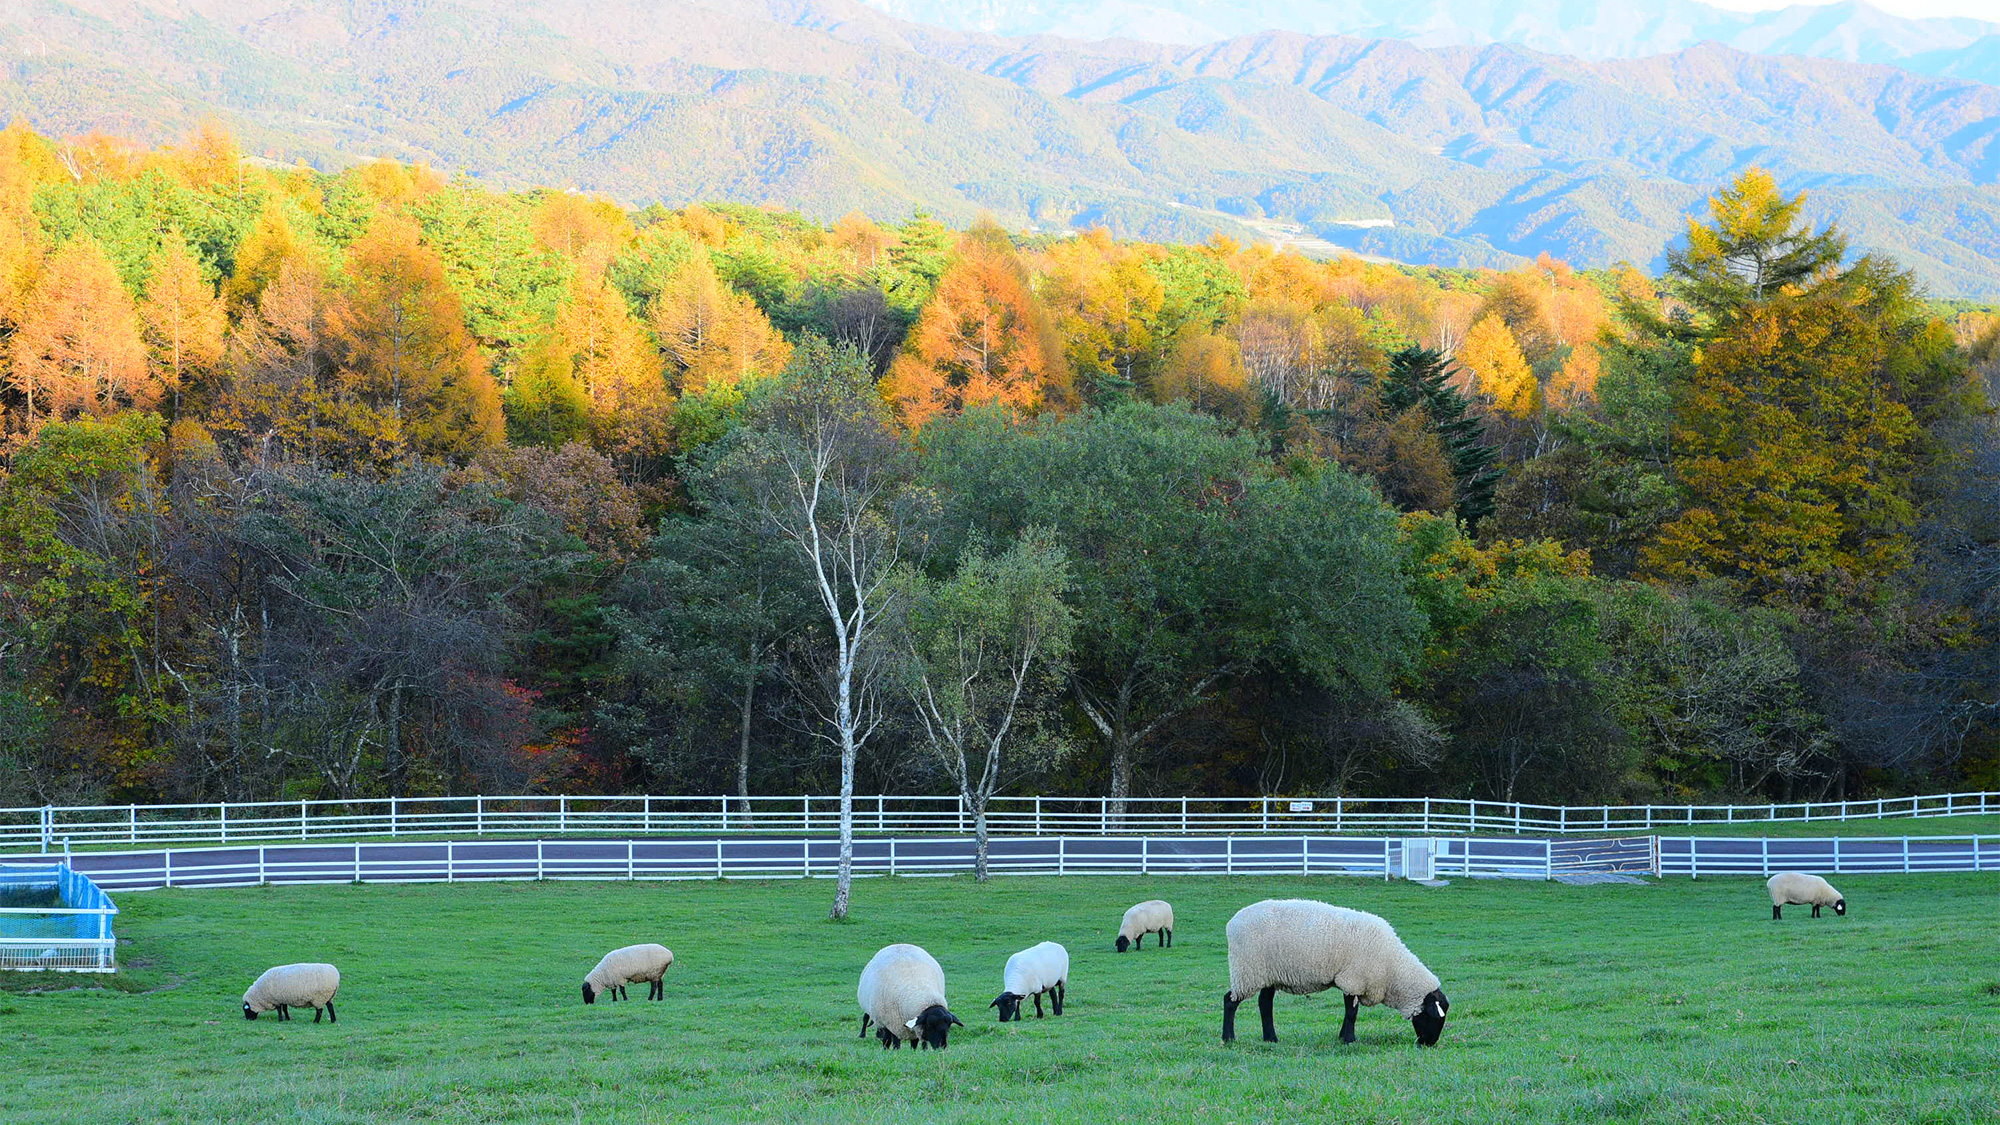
(1301, 947)
(1794, 888)
(1031, 972)
(624, 965)
(284, 987)
(1148, 917)
(902, 991)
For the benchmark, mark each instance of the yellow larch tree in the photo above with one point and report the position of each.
(78, 350)
(1498, 368)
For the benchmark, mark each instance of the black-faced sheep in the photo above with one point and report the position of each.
(624, 965)
(1151, 916)
(902, 991)
(1031, 972)
(284, 987)
(1301, 947)
(1792, 888)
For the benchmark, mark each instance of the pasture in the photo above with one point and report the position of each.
(1675, 1001)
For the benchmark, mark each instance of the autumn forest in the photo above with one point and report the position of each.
(381, 482)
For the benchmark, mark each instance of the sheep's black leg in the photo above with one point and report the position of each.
(1777, 912)
(1264, 1009)
(331, 1015)
(1038, 1005)
(1815, 910)
(1170, 937)
(1141, 943)
(658, 991)
(317, 1013)
(1347, 1025)
(1229, 1002)
(864, 1026)
(1056, 997)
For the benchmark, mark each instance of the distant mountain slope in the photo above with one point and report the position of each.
(1477, 155)
(1850, 31)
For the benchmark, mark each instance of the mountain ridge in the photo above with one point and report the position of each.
(1479, 155)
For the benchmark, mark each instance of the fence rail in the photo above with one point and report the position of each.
(50, 828)
(802, 857)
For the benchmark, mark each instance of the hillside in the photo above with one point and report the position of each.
(1476, 155)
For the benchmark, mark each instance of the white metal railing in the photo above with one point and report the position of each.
(800, 857)
(51, 827)
(73, 937)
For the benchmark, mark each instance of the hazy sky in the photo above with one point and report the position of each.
(1983, 9)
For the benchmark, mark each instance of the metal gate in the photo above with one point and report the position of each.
(1420, 859)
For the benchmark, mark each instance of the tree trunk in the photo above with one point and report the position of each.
(846, 880)
(979, 871)
(743, 741)
(1121, 776)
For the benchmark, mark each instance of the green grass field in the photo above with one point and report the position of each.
(1678, 1001)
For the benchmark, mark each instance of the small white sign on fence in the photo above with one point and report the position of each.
(1302, 806)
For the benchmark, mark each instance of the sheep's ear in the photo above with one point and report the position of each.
(911, 1024)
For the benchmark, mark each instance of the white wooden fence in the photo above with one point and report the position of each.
(451, 861)
(50, 828)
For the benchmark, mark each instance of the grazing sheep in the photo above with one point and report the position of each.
(1300, 946)
(1151, 916)
(902, 991)
(1031, 972)
(622, 966)
(284, 987)
(1789, 888)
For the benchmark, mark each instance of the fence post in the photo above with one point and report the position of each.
(1264, 814)
(562, 815)
(1548, 860)
(806, 857)
(892, 855)
(1836, 855)
(393, 827)
(538, 861)
(48, 827)
(261, 878)
(1061, 868)
(302, 820)
(718, 858)
(631, 866)
(1184, 818)
(1906, 855)
(1143, 850)
(357, 863)
(479, 814)
(1386, 845)
(133, 811)
(450, 855)
(223, 808)
(1427, 814)
(647, 818)
(1104, 816)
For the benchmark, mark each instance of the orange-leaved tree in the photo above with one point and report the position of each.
(405, 355)
(185, 320)
(983, 338)
(77, 350)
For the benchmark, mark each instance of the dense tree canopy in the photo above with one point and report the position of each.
(330, 485)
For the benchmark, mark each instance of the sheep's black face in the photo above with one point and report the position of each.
(934, 1025)
(1840, 907)
(589, 994)
(1429, 1020)
(1124, 943)
(249, 1013)
(1009, 1004)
